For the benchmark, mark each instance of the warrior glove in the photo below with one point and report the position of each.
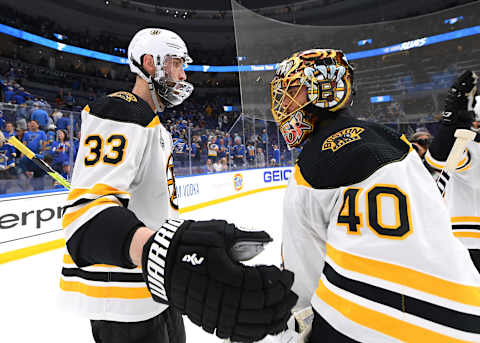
(193, 266)
(459, 101)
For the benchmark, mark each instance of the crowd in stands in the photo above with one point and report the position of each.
(202, 132)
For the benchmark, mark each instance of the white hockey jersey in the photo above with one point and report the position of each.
(462, 195)
(124, 159)
(368, 237)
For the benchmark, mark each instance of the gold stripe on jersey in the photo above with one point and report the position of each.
(380, 322)
(466, 219)
(469, 295)
(99, 189)
(297, 174)
(86, 109)
(105, 292)
(69, 218)
(67, 259)
(155, 121)
(467, 234)
(463, 165)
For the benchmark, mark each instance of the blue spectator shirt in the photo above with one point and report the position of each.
(60, 153)
(33, 140)
(62, 123)
(239, 151)
(41, 116)
(7, 135)
(7, 156)
(276, 155)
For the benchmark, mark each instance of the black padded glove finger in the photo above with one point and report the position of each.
(190, 265)
(456, 108)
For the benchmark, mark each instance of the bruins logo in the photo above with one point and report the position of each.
(129, 97)
(342, 138)
(172, 189)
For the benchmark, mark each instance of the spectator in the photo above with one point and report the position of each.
(208, 168)
(9, 130)
(221, 165)
(212, 149)
(251, 154)
(60, 100)
(41, 117)
(60, 151)
(35, 139)
(69, 101)
(260, 158)
(276, 154)
(21, 116)
(238, 153)
(273, 163)
(63, 121)
(2, 121)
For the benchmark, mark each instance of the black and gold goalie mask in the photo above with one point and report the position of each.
(321, 77)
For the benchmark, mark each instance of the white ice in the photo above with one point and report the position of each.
(28, 287)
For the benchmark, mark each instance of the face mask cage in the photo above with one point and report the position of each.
(284, 93)
(167, 83)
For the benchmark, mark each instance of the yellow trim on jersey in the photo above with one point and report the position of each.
(297, 174)
(441, 166)
(105, 292)
(465, 219)
(155, 121)
(464, 294)
(467, 234)
(67, 259)
(69, 218)
(403, 138)
(432, 163)
(99, 189)
(388, 325)
(86, 109)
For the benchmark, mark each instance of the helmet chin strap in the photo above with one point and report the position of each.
(153, 93)
(147, 77)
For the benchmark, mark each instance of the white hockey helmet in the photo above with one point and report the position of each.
(163, 45)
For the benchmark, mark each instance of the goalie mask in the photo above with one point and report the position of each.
(167, 49)
(321, 79)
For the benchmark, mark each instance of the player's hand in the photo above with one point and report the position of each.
(194, 267)
(458, 103)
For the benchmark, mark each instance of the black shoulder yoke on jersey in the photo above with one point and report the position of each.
(347, 151)
(124, 107)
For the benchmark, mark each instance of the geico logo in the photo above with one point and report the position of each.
(276, 175)
(192, 259)
(10, 220)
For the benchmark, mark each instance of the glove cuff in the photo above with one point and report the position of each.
(155, 256)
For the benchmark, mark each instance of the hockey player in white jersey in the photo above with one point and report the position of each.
(365, 229)
(132, 267)
(461, 189)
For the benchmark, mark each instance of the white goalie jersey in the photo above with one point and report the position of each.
(462, 194)
(124, 159)
(368, 236)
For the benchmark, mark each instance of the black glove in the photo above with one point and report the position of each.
(457, 111)
(191, 266)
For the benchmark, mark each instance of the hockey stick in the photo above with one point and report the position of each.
(35, 159)
(463, 136)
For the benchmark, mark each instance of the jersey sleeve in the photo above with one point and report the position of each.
(441, 146)
(107, 166)
(305, 233)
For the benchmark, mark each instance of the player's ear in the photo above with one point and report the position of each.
(148, 64)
